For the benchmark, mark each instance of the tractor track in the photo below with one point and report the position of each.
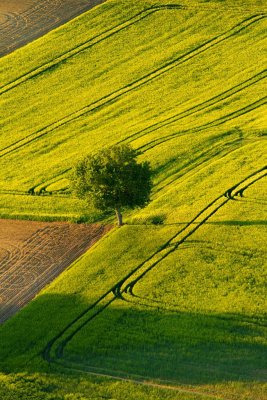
(173, 307)
(95, 40)
(195, 224)
(14, 21)
(217, 152)
(76, 50)
(215, 100)
(113, 96)
(54, 350)
(201, 161)
(217, 122)
(124, 289)
(40, 188)
(26, 269)
(21, 27)
(39, 241)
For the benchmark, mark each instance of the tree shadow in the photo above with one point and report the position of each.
(238, 223)
(183, 348)
(131, 341)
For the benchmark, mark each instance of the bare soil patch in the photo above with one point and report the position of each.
(22, 21)
(32, 254)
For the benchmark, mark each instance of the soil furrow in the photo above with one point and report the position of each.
(22, 26)
(41, 257)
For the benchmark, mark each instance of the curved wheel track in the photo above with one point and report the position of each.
(54, 351)
(22, 25)
(127, 286)
(28, 268)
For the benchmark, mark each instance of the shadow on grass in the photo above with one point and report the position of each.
(230, 223)
(130, 341)
(238, 223)
(183, 348)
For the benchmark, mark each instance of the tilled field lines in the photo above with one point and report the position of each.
(23, 21)
(33, 254)
(124, 289)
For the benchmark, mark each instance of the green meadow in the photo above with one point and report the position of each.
(173, 304)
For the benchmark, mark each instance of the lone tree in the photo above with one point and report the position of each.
(112, 179)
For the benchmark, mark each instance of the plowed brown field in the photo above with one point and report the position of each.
(22, 21)
(32, 254)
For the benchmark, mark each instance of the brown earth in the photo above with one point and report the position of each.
(22, 21)
(32, 254)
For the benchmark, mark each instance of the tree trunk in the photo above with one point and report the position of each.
(119, 216)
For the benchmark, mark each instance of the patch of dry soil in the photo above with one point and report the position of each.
(32, 254)
(22, 21)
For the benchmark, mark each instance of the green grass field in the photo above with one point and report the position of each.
(176, 298)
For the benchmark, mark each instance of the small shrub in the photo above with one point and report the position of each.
(157, 219)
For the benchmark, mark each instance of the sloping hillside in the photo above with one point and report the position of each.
(175, 299)
(176, 82)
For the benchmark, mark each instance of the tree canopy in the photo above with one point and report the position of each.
(113, 179)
